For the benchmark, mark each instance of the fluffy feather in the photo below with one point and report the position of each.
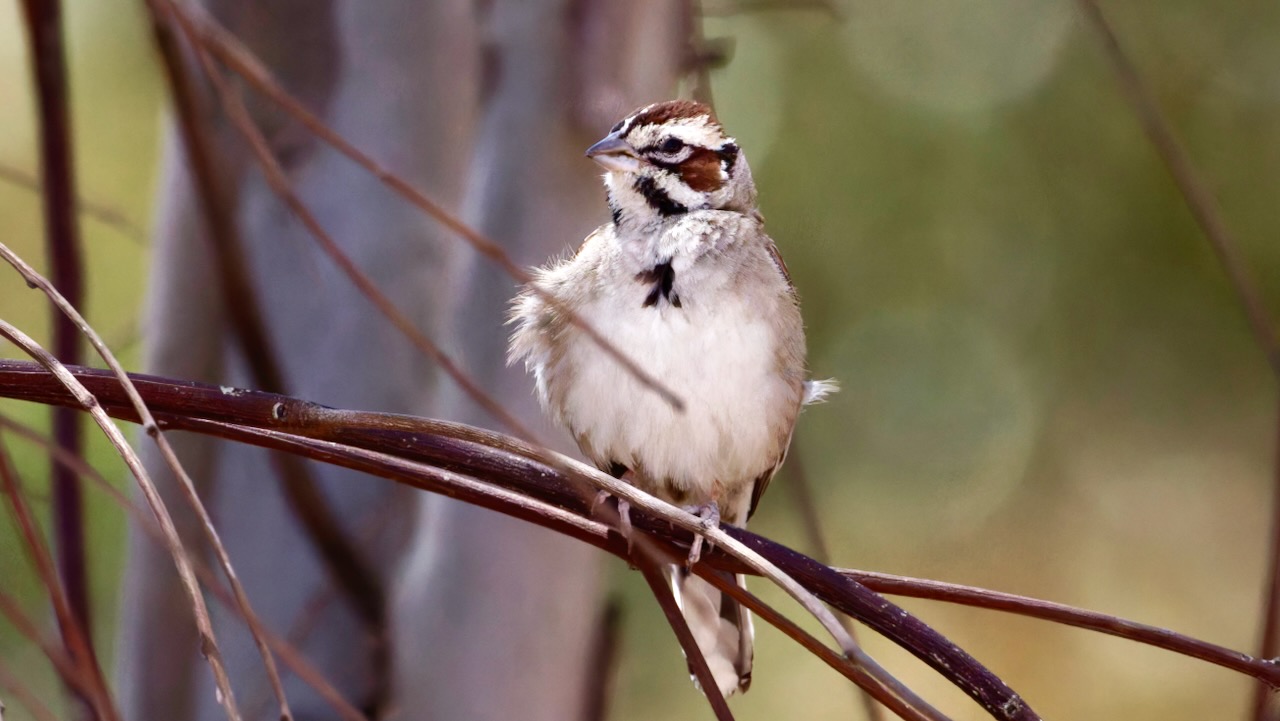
(686, 282)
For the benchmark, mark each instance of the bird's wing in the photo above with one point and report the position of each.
(761, 483)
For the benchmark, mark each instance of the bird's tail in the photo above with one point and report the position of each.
(721, 627)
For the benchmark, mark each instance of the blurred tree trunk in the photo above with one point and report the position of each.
(514, 605)
(486, 106)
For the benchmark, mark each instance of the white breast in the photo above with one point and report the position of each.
(717, 352)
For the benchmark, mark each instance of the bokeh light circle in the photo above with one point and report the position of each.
(957, 57)
(936, 417)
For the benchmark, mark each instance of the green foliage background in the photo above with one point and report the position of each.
(1049, 386)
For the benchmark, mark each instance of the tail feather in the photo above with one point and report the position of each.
(721, 627)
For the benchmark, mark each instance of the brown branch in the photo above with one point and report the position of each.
(82, 399)
(887, 691)
(74, 635)
(651, 569)
(1264, 670)
(1204, 209)
(276, 177)
(287, 652)
(215, 39)
(63, 250)
(603, 660)
(330, 435)
(67, 669)
(699, 54)
(105, 214)
(449, 458)
(802, 490)
(351, 572)
(79, 397)
(9, 682)
(1269, 641)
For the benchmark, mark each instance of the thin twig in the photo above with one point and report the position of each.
(74, 635)
(866, 674)
(1199, 199)
(698, 57)
(603, 662)
(534, 490)
(100, 212)
(351, 572)
(86, 401)
(276, 177)
(1269, 643)
(1264, 670)
(63, 250)
(70, 673)
(650, 568)
(287, 651)
(802, 490)
(1204, 209)
(214, 38)
(9, 682)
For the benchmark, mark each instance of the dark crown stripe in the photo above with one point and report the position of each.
(671, 110)
(657, 198)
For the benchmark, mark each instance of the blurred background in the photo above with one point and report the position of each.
(1049, 387)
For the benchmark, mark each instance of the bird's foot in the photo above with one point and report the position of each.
(624, 515)
(709, 513)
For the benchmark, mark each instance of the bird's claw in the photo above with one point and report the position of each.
(624, 515)
(709, 513)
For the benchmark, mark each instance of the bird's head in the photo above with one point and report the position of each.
(670, 158)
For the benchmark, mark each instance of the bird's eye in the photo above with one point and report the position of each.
(671, 146)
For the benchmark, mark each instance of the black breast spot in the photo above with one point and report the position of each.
(662, 277)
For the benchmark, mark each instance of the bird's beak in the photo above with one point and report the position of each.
(614, 153)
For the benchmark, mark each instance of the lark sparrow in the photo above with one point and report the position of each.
(685, 281)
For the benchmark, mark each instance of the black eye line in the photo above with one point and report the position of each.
(652, 149)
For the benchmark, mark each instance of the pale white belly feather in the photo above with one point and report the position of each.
(722, 367)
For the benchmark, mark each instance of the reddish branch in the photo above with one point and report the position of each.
(697, 662)
(92, 687)
(62, 246)
(396, 447)
(352, 574)
(429, 454)
(1263, 669)
(229, 51)
(1208, 216)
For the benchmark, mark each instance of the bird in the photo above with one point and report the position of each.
(684, 280)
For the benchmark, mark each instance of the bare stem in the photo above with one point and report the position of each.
(62, 246)
(650, 568)
(101, 212)
(1204, 209)
(1262, 669)
(798, 481)
(75, 637)
(352, 574)
(16, 689)
(509, 476)
(215, 39)
(287, 652)
(866, 674)
(86, 401)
